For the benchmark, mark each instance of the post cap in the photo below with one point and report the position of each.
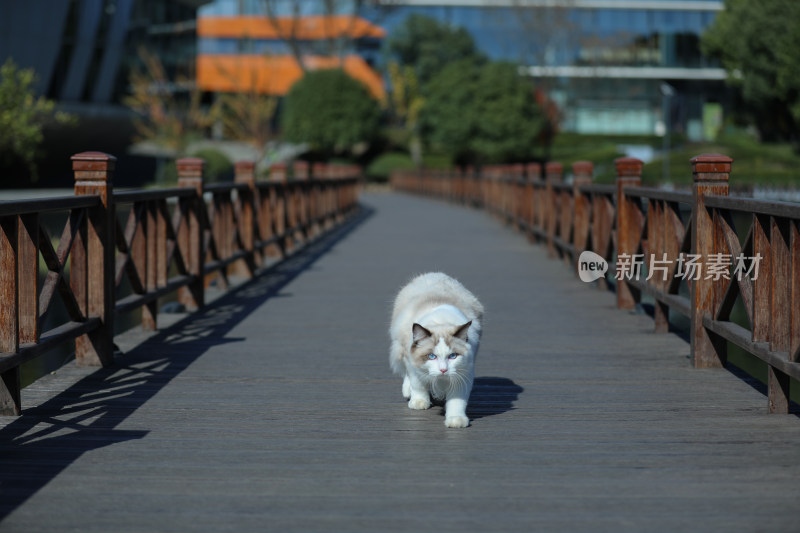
(93, 161)
(628, 167)
(554, 167)
(582, 168)
(244, 166)
(711, 164)
(190, 163)
(244, 172)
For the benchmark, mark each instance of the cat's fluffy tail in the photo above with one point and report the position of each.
(396, 358)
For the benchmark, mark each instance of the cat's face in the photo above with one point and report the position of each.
(440, 351)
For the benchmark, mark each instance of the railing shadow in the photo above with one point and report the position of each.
(48, 438)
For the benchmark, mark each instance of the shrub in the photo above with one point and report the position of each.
(330, 111)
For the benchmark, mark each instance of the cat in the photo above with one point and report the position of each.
(435, 333)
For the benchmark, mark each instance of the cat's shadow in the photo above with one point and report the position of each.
(492, 396)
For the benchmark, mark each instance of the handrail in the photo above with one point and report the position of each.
(656, 242)
(163, 241)
(156, 194)
(44, 205)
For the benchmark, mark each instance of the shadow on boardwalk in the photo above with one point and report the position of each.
(48, 438)
(492, 396)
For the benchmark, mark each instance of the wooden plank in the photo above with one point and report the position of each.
(10, 402)
(150, 263)
(777, 391)
(780, 304)
(133, 301)
(44, 205)
(744, 286)
(152, 195)
(680, 304)
(659, 194)
(741, 337)
(47, 341)
(10, 392)
(762, 286)
(781, 291)
(28, 272)
(9, 294)
(758, 207)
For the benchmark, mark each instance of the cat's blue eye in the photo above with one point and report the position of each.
(452, 356)
(431, 356)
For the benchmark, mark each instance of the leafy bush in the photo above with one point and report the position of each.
(331, 111)
(22, 117)
(382, 166)
(482, 112)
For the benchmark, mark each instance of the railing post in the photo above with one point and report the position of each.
(190, 238)
(582, 175)
(93, 266)
(629, 174)
(301, 170)
(244, 172)
(553, 172)
(9, 314)
(710, 173)
(277, 174)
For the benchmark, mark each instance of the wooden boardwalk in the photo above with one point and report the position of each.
(275, 410)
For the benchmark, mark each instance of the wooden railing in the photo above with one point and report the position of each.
(152, 242)
(680, 248)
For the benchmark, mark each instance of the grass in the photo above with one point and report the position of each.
(754, 163)
(382, 166)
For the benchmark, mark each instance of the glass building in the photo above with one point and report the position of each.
(613, 66)
(83, 50)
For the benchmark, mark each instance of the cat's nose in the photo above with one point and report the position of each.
(443, 370)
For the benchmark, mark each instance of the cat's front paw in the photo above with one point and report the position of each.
(456, 421)
(419, 403)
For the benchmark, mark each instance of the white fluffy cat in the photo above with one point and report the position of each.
(435, 332)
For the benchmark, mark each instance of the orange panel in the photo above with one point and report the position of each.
(274, 74)
(305, 28)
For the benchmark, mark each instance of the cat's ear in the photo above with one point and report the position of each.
(461, 332)
(419, 332)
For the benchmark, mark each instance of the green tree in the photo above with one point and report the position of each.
(510, 119)
(331, 111)
(450, 115)
(483, 113)
(22, 117)
(758, 42)
(429, 45)
(406, 103)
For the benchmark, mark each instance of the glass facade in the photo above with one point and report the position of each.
(83, 50)
(603, 61)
